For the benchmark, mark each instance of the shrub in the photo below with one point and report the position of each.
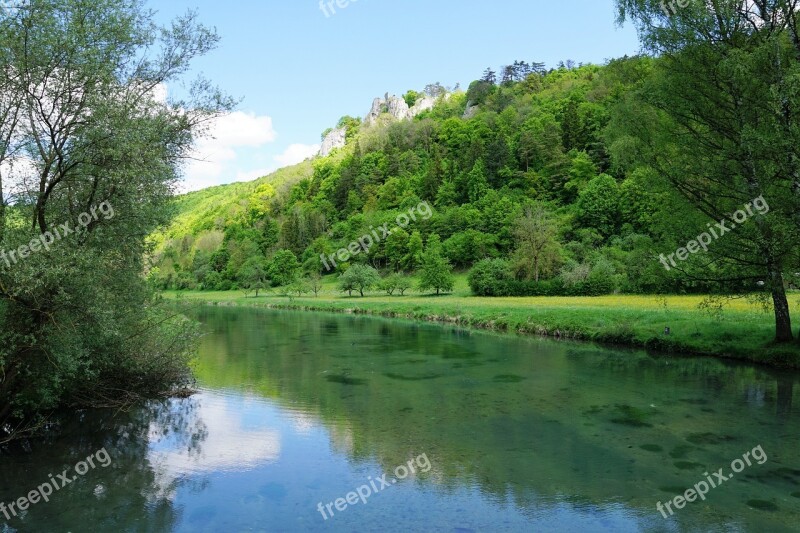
(489, 277)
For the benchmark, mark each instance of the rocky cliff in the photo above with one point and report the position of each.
(336, 138)
(393, 107)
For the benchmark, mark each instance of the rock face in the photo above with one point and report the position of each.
(394, 106)
(397, 108)
(470, 111)
(423, 104)
(333, 140)
(375, 112)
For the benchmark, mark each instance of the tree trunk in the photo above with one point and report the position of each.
(783, 319)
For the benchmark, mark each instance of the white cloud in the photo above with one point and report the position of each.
(296, 153)
(216, 156)
(232, 442)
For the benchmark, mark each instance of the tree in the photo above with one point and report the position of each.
(252, 276)
(314, 282)
(479, 91)
(436, 272)
(489, 277)
(283, 268)
(397, 248)
(388, 284)
(298, 287)
(489, 76)
(435, 90)
(571, 127)
(413, 257)
(722, 130)
(598, 205)
(537, 247)
(92, 146)
(411, 97)
(403, 283)
(359, 278)
(395, 283)
(508, 75)
(476, 183)
(466, 247)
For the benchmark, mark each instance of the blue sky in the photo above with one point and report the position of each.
(299, 70)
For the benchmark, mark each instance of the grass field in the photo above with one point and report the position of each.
(740, 329)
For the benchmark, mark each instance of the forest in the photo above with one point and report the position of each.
(539, 183)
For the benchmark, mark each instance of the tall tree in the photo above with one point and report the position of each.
(436, 272)
(722, 129)
(97, 153)
(538, 249)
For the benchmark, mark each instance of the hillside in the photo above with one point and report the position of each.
(540, 178)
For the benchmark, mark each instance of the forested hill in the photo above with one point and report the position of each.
(535, 170)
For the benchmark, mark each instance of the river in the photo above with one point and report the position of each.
(317, 422)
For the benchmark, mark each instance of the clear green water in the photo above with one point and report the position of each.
(520, 435)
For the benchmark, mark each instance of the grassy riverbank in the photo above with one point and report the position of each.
(740, 330)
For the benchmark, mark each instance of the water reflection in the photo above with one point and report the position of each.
(522, 434)
(103, 497)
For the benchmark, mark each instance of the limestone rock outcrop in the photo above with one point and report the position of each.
(397, 108)
(423, 104)
(393, 106)
(336, 138)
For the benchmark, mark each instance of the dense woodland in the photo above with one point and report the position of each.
(533, 180)
(530, 180)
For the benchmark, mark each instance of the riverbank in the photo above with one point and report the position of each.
(740, 330)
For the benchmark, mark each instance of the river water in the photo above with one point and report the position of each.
(316, 422)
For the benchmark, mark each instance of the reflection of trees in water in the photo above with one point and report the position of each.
(784, 401)
(532, 441)
(760, 385)
(123, 496)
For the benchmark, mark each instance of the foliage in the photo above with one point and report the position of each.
(395, 283)
(436, 272)
(283, 268)
(720, 110)
(359, 278)
(80, 325)
(552, 170)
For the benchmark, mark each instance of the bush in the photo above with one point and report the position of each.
(489, 277)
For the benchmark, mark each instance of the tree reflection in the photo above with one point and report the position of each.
(130, 491)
